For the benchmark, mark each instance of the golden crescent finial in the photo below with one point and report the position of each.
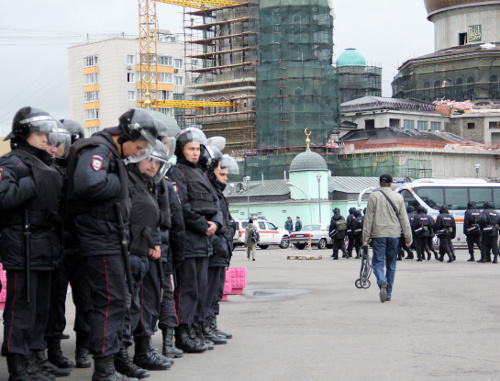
(307, 134)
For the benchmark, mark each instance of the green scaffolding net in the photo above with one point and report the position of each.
(297, 86)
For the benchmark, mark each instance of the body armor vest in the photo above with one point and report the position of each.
(144, 217)
(43, 209)
(98, 209)
(199, 191)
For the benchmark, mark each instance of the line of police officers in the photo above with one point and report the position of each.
(480, 227)
(105, 211)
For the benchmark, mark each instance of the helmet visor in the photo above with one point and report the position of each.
(192, 135)
(144, 154)
(218, 142)
(145, 134)
(42, 123)
(58, 143)
(169, 144)
(230, 163)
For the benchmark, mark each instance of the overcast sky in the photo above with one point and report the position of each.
(35, 35)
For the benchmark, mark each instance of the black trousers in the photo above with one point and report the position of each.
(191, 281)
(108, 288)
(421, 243)
(220, 291)
(350, 244)
(490, 245)
(473, 239)
(24, 323)
(445, 247)
(338, 244)
(168, 316)
(80, 291)
(429, 247)
(213, 295)
(56, 322)
(357, 245)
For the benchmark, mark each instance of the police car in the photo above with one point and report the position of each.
(269, 233)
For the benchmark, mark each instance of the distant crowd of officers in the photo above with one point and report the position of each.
(480, 227)
(142, 248)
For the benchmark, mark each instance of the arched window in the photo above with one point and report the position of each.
(299, 99)
(438, 89)
(494, 87)
(296, 28)
(459, 89)
(471, 94)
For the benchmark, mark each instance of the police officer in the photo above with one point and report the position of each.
(146, 268)
(429, 247)
(446, 230)
(410, 210)
(472, 230)
(489, 222)
(218, 171)
(172, 248)
(30, 189)
(357, 227)
(421, 231)
(338, 236)
(99, 201)
(202, 218)
(350, 232)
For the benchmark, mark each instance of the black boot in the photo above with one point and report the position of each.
(35, 371)
(104, 369)
(82, 350)
(450, 258)
(55, 355)
(168, 346)
(495, 258)
(17, 368)
(419, 258)
(471, 259)
(441, 258)
(125, 366)
(211, 335)
(188, 344)
(146, 358)
(49, 367)
(199, 334)
(410, 255)
(213, 323)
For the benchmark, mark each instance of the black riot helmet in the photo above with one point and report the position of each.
(137, 124)
(188, 135)
(210, 157)
(166, 137)
(29, 119)
(74, 128)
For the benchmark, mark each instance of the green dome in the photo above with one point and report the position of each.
(351, 57)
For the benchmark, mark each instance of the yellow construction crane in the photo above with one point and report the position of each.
(148, 69)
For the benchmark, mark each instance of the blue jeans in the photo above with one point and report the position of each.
(385, 251)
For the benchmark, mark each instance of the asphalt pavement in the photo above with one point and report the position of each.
(306, 320)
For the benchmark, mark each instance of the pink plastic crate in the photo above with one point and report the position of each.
(236, 280)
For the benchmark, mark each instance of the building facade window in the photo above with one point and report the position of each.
(131, 95)
(164, 61)
(471, 126)
(90, 79)
(178, 63)
(422, 125)
(164, 77)
(435, 126)
(194, 64)
(130, 59)
(164, 95)
(178, 81)
(90, 61)
(167, 111)
(130, 78)
(91, 96)
(92, 114)
(408, 124)
(89, 131)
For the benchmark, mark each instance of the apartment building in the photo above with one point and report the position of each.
(104, 78)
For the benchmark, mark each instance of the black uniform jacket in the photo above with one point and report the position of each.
(333, 226)
(223, 245)
(198, 244)
(173, 234)
(97, 182)
(28, 182)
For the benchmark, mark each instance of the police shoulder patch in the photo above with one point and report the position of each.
(1, 174)
(176, 188)
(97, 162)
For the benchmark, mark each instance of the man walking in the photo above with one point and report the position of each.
(385, 216)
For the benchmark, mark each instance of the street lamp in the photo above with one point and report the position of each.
(318, 176)
(247, 182)
(477, 166)
(305, 195)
